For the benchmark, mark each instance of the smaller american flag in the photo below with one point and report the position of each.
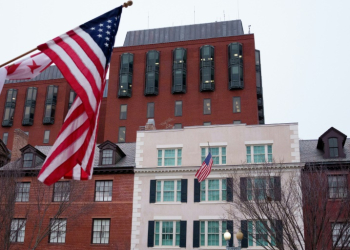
(205, 169)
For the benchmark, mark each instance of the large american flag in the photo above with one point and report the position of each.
(205, 169)
(83, 56)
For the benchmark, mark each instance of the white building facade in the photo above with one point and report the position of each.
(171, 210)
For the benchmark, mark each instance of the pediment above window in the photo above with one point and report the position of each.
(110, 153)
(31, 157)
(332, 143)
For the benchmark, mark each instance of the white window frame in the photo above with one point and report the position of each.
(252, 154)
(220, 154)
(206, 181)
(58, 227)
(101, 232)
(222, 242)
(160, 233)
(22, 196)
(176, 183)
(18, 226)
(100, 194)
(254, 233)
(340, 226)
(61, 191)
(177, 162)
(270, 188)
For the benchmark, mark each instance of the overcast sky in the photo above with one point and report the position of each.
(304, 45)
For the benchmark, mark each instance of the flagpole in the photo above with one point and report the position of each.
(125, 5)
(209, 147)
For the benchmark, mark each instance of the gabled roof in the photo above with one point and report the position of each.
(30, 148)
(4, 149)
(184, 33)
(320, 143)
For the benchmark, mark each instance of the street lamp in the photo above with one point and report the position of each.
(239, 237)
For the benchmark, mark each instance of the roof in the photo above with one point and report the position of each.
(50, 73)
(129, 150)
(310, 153)
(184, 33)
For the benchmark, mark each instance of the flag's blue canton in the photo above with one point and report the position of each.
(103, 30)
(207, 159)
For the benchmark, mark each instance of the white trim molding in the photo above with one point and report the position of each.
(258, 142)
(170, 146)
(212, 144)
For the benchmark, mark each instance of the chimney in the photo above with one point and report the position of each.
(20, 140)
(150, 125)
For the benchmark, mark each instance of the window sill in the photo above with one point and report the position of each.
(212, 202)
(168, 203)
(166, 247)
(213, 247)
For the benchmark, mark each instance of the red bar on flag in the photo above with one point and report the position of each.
(205, 169)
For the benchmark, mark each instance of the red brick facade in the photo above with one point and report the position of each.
(192, 100)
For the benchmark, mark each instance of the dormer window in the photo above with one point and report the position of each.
(31, 157)
(333, 147)
(110, 153)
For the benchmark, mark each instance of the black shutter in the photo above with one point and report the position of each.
(197, 190)
(230, 229)
(244, 229)
(183, 228)
(184, 190)
(243, 187)
(229, 189)
(152, 191)
(279, 234)
(196, 233)
(277, 188)
(150, 241)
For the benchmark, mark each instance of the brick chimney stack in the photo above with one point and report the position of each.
(150, 125)
(20, 140)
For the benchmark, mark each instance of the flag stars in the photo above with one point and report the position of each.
(100, 30)
(101, 25)
(107, 38)
(107, 32)
(99, 35)
(108, 26)
(106, 44)
(109, 21)
(93, 28)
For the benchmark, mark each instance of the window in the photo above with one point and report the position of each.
(61, 191)
(10, 106)
(29, 107)
(50, 105)
(218, 154)
(121, 137)
(103, 190)
(125, 75)
(46, 136)
(236, 104)
(212, 233)
(177, 126)
(237, 122)
(258, 233)
(167, 233)
(100, 233)
(206, 123)
(337, 186)
(28, 160)
(169, 157)
(213, 190)
(235, 66)
(262, 188)
(22, 191)
(123, 111)
(207, 68)
(178, 108)
(260, 153)
(168, 191)
(179, 70)
(333, 147)
(5, 137)
(58, 231)
(150, 110)
(107, 157)
(72, 96)
(18, 227)
(340, 234)
(207, 107)
(152, 72)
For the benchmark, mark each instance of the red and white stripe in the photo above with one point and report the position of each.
(204, 170)
(82, 63)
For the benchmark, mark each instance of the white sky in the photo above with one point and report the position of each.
(304, 45)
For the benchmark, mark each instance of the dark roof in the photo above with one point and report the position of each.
(310, 153)
(50, 73)
(184, 33)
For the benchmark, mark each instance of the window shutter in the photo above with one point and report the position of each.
(150, 241)
(152, 191)
(243, 187)
(229, 189)
(196, 233)
(197, 189)
(184, 190)
(183, 227)
(244, 228)
(277, 188)
(279, 234)
(230, 229)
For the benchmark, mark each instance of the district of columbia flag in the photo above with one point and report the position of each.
(205, 169)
